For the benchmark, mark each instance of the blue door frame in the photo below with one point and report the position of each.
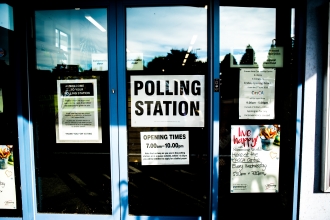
(118, 121)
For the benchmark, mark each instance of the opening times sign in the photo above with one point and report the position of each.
(165, 148)
(77, 111)
(167, 101)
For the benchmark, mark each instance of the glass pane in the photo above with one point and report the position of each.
(71, 112)
(167, 148)
(257, 112)
(10, 184)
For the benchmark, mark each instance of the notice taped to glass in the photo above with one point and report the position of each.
(257, 94)
(7, 178)
(255, 151)
(77, 111)
(167, 101)
(165, 148)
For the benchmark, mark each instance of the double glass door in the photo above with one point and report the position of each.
(136, 109)
(120, 127)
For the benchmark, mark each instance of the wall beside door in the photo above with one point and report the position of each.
(313, 203)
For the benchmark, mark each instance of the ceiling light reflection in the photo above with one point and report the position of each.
(96, 24)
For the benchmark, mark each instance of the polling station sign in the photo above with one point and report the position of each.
(167, 101)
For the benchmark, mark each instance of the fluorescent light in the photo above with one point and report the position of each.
(193, 39)
(184, 61)
(205, 6)
(189, 49)
(187, 55)
(95, 23)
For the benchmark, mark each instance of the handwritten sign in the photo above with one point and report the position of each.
(257, 94)
(254, 158)
(7, 178)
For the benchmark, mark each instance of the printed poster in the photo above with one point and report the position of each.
(7, 178)
(78, 119)
(167, 101)
(255, 152)
(257, 94)
(165, 148)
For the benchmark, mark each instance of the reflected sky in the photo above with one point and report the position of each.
(154, 31)
(241, 26)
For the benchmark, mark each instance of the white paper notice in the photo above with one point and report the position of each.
(255, 154)
(7, 181)
(134, 61)
(77, 110)
(99, 61)
(1, 101)
(167, 101)
(257, 94)
(165, 148)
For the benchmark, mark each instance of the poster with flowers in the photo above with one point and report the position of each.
(255, 152)
(7, 178)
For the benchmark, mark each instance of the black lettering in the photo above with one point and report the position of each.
(152, 87)
(137, 86)
(137, 105)
(183, 108)
(176, 88)
(195, 90)
(168, 89)
(158, 89)
(148, 106)
(194, 108)
(167, 107)
(158, 108)
(184, 88)
(174, 108)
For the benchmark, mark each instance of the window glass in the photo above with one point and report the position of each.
(167, 151)
(71, 113)
(257, 113)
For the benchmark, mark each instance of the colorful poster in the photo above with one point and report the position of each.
(167, 101)
(77, 111)
(7, 178)
(257, 94)
(255, 152)
(165, 147)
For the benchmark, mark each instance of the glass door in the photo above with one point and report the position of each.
(71, 99)
(167, 151)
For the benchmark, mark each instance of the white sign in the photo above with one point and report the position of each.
(7, 178)
(1, 101)
(165, 148)
(134, 61)
(257, 94)
(99, 61)
(77, 111)
(274, 58)
(167, 101)
(255, 155)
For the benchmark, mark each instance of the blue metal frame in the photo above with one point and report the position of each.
(118, 123)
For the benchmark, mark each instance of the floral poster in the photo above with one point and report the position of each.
(7, 178)
(255, 152)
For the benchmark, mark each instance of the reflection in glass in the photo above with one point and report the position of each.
(72, 176)
(72, 37)
(252, 43)
(166, 41)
